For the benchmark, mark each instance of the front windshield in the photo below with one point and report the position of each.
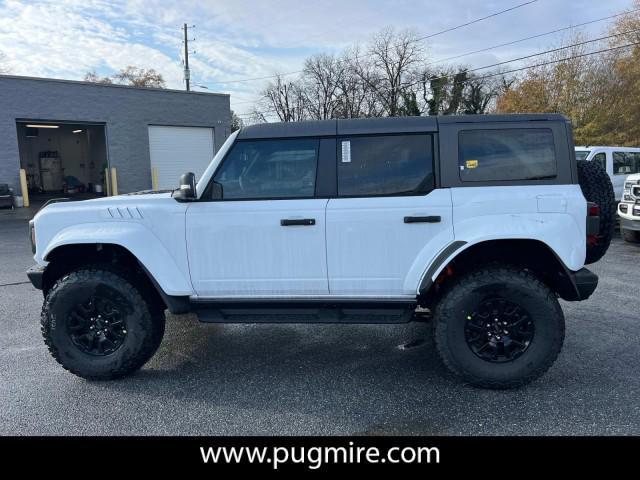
(582, 155)
(204, 180)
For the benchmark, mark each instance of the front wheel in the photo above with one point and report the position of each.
(98, 325)
(499, 327)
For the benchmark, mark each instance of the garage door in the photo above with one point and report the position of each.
(176, 150)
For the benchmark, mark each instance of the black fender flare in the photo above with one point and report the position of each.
(567, 284)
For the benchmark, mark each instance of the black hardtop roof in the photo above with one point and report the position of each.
(363, 126)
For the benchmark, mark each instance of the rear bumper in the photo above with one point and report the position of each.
(36, 274)
(585, 282)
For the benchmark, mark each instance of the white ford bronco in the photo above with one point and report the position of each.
(480, 220)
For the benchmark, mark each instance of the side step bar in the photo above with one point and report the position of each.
(305, 311)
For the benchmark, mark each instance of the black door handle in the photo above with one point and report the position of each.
(287, 222)
(427, 219)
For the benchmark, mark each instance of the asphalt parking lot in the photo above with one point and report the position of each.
(310, 380)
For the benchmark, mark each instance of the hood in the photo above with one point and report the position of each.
(635, 177)
(102, 204)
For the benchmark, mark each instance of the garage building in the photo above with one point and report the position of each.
(71, 136)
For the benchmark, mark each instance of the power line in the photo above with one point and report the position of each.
(551, 32)
(419, 39)
(551, 62)
(573, 57)
(526, 57)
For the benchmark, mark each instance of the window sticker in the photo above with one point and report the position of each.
(346, 151)
(471, 163)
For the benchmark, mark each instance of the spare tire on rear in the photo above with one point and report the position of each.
(597, 188)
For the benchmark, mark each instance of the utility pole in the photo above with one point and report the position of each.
(187, 73)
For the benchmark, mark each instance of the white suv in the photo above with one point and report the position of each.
(480, 219)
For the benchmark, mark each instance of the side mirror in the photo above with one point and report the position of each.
(187, 188)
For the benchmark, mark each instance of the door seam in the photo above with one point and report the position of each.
(326, 246)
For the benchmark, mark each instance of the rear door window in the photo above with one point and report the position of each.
(506, 154)
(385, 165)
(626, 163)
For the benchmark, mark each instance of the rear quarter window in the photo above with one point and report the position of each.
(506, 154)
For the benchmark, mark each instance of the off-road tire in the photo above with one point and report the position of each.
(144, 322)
(518, 286)
(596, 187)
(630, 235)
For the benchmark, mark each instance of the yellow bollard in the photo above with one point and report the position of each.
(23, 186)
(154, 178)
(107, 183)
(114, 181)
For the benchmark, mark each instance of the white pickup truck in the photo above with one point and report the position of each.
(480, 219)
(619, 162)
(629, 209)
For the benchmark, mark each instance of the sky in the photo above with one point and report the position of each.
(247, 39)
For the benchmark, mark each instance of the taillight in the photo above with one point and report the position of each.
(593, 223)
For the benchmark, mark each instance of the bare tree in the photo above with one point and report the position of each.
(321, 77)
(356, 98)
(134, 76)
(389, 77)
(481, 92)
(93, 77)
(286, 99)
(393, 56)
(139, 77)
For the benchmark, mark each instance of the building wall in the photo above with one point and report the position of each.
(126, 112)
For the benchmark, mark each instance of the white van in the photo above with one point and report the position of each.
(617, 161)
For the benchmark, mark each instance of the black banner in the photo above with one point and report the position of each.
(482, 455)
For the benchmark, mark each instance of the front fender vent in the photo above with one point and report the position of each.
(126, 213)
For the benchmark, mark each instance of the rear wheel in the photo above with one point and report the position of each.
(596, 187)
(499, 327)
(98, 325)
(630, 235)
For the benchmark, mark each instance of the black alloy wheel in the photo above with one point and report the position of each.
(499, 330)
(97, 327)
